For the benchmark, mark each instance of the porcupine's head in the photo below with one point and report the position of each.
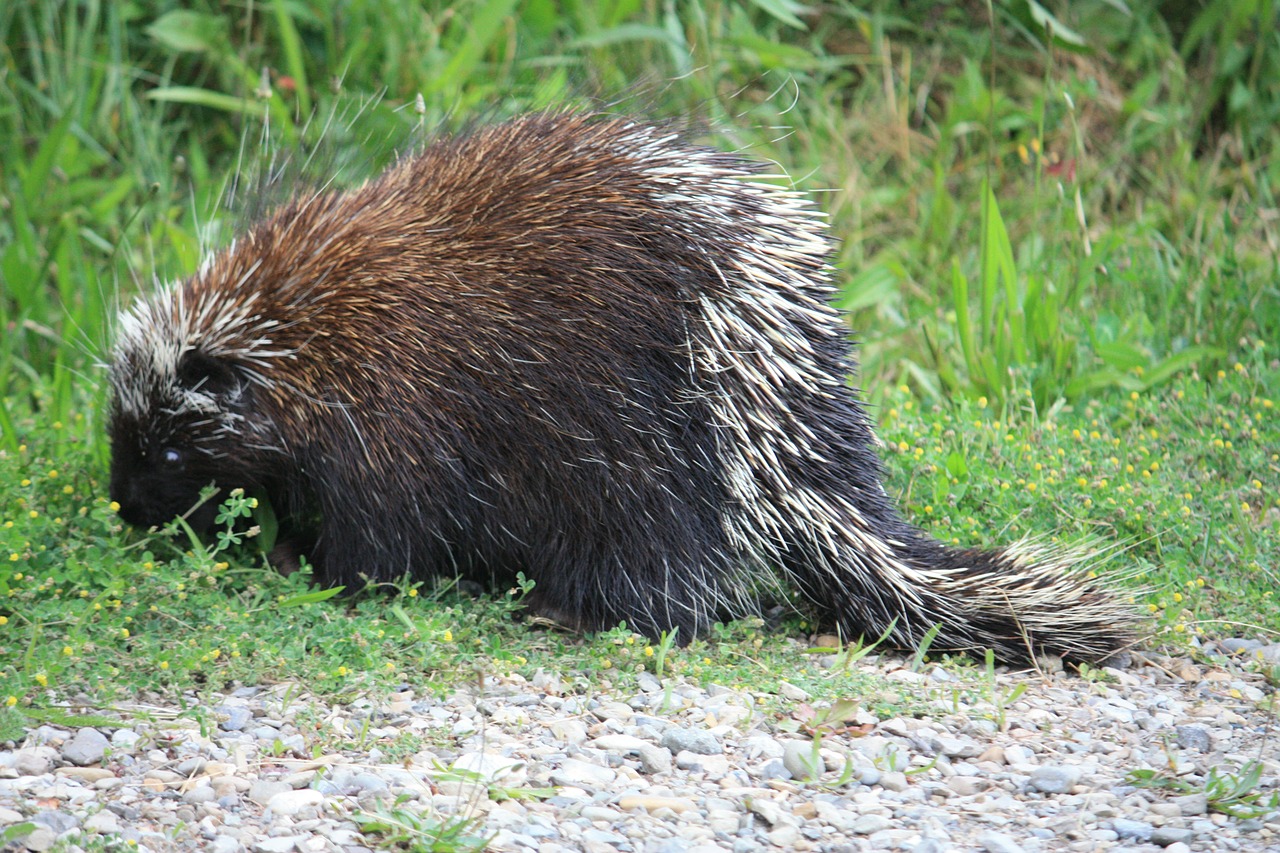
(186, 372)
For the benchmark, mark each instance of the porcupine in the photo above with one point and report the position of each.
(572, 345)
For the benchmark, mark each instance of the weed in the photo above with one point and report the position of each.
(401, 827)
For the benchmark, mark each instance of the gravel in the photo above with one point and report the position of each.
(674, 768)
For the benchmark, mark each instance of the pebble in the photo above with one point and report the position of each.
(1055, 779)
(1194, 736)
(802, 761)
(292, 802)
(670, 767)
(687, 740)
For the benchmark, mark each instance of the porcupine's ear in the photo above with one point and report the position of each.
(206, 374)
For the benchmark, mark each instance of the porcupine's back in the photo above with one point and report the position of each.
(570, 346)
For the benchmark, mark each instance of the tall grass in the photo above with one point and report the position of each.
(1019, 200)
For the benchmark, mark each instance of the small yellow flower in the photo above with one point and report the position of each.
(68, 651)
(124, 633)
(42, 679)
(164, 664)
(4, 620)
(341, 672)
(413, 593)
(448, 636)
(648, 651)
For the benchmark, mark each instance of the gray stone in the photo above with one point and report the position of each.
(1191, 804)
(895, 781)
(200, 794)
(654, 759)
(1195, 737)
(700, 741)
(40, 839)
(1168, 835)
(967, 786)
(56, 820)
(581, 774)
(870, 823)
(263, 790)
(368, 783)
(489, 767)
(283, 844)
(124, 740)
(1055, 778)
(102, 823)
(233, 718)
(998, 842)
(34, 760)
(775, 770)
(868, 775)
(1240, 646)
(126, 812)
(767, 810)
(225, 844)
(802, 760)
(1134, 829)
(648, 682)
(954, 747)
(292, 802)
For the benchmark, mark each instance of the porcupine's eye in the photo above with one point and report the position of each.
(170, 458)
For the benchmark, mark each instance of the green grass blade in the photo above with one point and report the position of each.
(293, 56)
(199, 97)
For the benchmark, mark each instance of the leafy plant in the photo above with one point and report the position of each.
(401, 827)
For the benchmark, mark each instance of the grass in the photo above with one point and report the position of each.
(1061, 261)
(1182, 481)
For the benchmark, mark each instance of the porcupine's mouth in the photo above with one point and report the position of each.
(144, 508)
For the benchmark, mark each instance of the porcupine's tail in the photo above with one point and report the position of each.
(799, 461)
